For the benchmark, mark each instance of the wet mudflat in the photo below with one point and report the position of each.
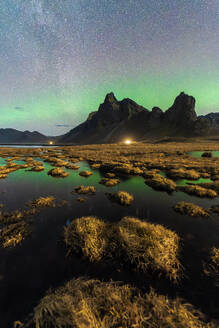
(40, 261)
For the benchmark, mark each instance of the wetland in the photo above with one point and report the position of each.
(139, 219)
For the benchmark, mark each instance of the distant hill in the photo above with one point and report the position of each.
(115, 120)
(12, 136)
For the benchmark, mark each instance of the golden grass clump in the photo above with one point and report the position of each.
(38, 168)
(84, 303)
(95, 165)
(190, 209)
(121, 197)
(183, 174)
(72, 166)
(58, 172)
(85, 173)
(140, 244)
(85, 190)
(198, 191)
(148, 245)
(86, 235)
(212, 267)
(160, 183)
(48, 201)
(109, 182)
(14, 234)
(110, 175)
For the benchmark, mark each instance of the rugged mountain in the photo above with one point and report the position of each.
(116, 120)
(9, 136)
(212, 119)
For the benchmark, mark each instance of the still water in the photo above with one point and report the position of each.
(39, 263)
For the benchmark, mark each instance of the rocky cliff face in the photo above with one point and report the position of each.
(116, 120)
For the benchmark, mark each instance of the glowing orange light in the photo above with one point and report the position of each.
(128, 141)
(51, 142)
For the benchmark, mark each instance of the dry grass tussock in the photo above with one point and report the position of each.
(158, 182)
(198, 191)
(48, 201)
(38, 168)
(212, 267)
(143, 245)
(85, 190)
(85, 173)
(14, 234)
(121, 197)
(190, 209)
(109, 182)
(84, 303)
(86, 236)
(58, 172)
(183, 174)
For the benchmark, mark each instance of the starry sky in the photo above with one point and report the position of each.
(59, 58)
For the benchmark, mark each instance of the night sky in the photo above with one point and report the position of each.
(59, 58)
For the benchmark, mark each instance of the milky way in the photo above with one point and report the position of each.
(58, 58)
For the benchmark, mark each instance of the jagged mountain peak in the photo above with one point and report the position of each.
(110, 98)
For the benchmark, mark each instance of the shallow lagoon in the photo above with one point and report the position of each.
(39, 263)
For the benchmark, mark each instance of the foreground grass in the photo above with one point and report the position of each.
(211, 268)
(84, 303)
(14, 234)
(139, 244)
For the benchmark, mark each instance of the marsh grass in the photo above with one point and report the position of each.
(109, 182)
(85, 190)
(190, 209)
(183, 174)
(13, 234)
(58, 172)
(121, 197)
(86, 236)
(160, 183)
(211, 268)
(198, 191)
(132, 242)
(84, 303)
(85, 173)
(48, 201)
(38, 168)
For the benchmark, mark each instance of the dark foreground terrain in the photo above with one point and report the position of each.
(110, 236)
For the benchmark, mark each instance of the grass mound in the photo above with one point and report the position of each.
(212, 267)
(14, 234)
(85, 173)
(86, 236)
(58, 172)
(37, 168)
(190, 209)
(48, 201)
(140, 244)
(160, 183)
(214, 209)
(121, 197)
(198, 191)
(207, 154)
(84, 303)
(85, 190)
(148, 245)
(183, 174)
(109, 182)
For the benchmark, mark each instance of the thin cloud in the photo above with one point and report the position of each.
(18, 108)
(63, 125)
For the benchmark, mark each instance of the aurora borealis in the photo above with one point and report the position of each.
(59, 58)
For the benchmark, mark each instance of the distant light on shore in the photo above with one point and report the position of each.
(128, 141)
(50, 142)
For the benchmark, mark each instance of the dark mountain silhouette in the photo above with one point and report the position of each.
(12, 136)
(116, 120)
